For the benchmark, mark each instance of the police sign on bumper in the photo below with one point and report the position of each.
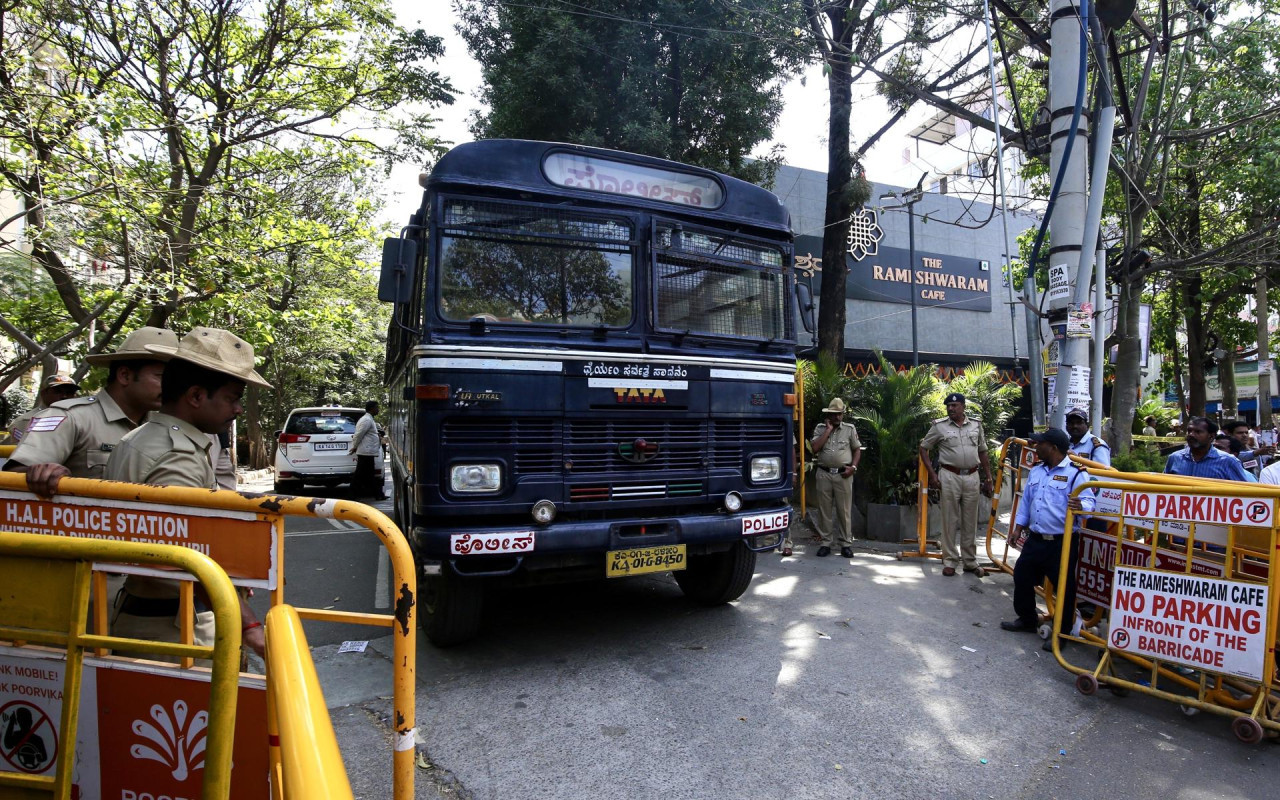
(765, 523)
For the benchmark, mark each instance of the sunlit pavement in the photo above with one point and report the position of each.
(831, 677)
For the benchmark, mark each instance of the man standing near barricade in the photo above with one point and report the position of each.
(836, 453)
(1200, 459)
(365, 445)
(962, 451)
(1250, 454)
(1083, 443)
(1042, 516)
(202, 387)
(75, 437)
(56, 388)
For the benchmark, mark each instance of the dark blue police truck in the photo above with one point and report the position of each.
(591, 374)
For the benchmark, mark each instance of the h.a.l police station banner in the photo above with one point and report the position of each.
(1205, 623)
(244, 544)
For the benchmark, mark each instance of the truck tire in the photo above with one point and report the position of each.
(450, 607)
(717, 578)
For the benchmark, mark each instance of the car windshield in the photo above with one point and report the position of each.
(507, 262)
(319, 422)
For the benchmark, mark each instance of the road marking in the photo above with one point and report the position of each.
(382, 592)
(337, 524)
(315, 533)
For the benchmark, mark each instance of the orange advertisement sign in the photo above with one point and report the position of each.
(242, 543)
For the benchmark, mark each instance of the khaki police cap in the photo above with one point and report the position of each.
(836, 407)
(218, 350)
(57, 380)
(134, 347)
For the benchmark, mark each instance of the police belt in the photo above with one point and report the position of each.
(834, 470)
(958, 470)
(136, 606)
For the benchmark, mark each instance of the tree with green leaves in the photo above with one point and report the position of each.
(848, 38)
(694, 81)
(207, 163)
(140, 134)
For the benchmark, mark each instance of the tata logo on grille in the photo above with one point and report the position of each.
(625, 394)
(638, 451)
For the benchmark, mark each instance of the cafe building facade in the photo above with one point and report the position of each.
(961, 297)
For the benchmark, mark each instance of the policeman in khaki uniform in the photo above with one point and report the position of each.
(836, 453)
(962, 451)
(75, 437)
(54, 389)
(1083, 443)
(203, 384)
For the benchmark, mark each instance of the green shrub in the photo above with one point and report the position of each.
(1139, 459)
(894, 416)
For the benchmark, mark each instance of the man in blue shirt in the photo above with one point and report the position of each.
(1083, 443)
(1200, 459)
(1250, 458)
(1042, 516)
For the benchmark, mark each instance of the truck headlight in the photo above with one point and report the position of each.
(766, 469)
(466, 478)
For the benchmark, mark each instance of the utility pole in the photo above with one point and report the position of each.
(1077, 221)
(908, 200)
(1007, 267)
(1262, 310)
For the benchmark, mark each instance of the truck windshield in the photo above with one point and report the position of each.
(510, 262)
(710, 282)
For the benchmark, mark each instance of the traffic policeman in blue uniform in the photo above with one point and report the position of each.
(1042, 516)
(1083, 443)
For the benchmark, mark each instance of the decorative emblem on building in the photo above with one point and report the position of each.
(865, 234)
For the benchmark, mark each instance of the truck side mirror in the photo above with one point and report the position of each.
(395, 285)
(804, 299)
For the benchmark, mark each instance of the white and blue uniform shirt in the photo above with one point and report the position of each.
(1092, 448)
(1043, 509)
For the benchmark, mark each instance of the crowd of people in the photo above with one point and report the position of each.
(954, 453)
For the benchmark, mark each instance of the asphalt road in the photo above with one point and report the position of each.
(332, 564)
(831, 678)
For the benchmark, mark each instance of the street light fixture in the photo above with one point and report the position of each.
(907, 199)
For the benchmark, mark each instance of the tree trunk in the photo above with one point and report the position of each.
(1193, 319)
(1262, 310)
(1230, 405)
(831, 311)
(259, 452)
(1128, 366)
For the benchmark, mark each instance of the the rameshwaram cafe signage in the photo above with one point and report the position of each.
(884, 274)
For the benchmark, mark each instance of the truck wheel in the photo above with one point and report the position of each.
(717, 578)
(450, 607)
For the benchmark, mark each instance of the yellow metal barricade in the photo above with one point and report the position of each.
(310, 764)
(922, 518)
(270, 509)
(44, 599)
(1191, 595)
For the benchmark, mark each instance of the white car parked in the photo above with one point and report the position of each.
(312, 448)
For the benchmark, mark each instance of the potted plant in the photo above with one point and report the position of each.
(897, 409)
